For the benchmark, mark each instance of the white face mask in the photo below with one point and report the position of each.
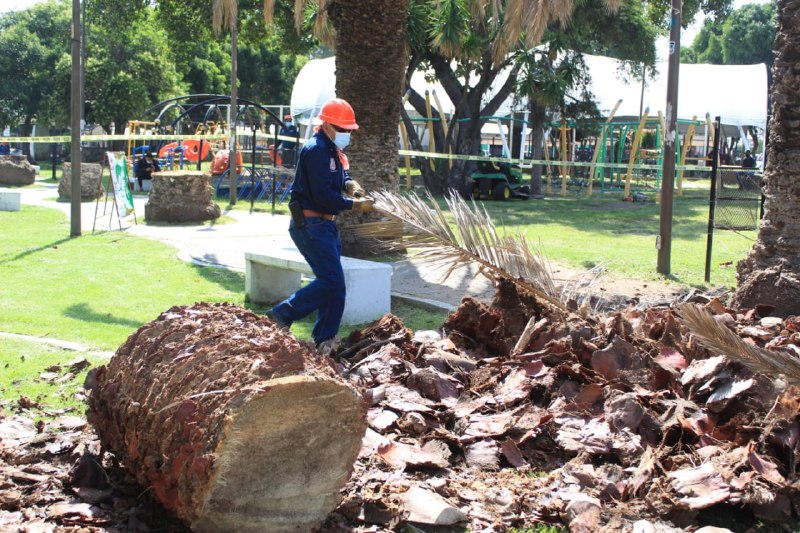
(341, 140)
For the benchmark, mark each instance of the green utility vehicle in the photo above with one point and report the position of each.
(499, 181)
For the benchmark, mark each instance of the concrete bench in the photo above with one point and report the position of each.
(271, 277)
(9, 200)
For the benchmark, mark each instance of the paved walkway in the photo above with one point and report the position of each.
(224, 245)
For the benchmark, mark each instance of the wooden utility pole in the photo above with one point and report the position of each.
(75, 109)
(664, 239)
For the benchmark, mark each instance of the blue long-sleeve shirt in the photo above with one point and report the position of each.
(319, 181)
(289, 131)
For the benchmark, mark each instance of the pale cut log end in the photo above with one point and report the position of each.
(283, 458)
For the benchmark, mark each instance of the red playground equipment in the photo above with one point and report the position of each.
(220, 162)
(191, 149)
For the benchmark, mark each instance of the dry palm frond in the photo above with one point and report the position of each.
(299, 10)
(721, 340)
(269, 10)
(561, 10)
(478, 10)
(322, 29)
(579, 287)
(475, 240)
(537, 25)
(530, 18)
(224, 14)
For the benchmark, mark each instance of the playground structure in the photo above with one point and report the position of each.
(736, 93)
(611, 155)
(620, 155)
(209, 117)
(627, 155)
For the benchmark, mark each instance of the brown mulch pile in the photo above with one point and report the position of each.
(612, 423)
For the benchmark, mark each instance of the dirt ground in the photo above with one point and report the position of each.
(602, 291)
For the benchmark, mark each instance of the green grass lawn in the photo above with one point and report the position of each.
(41, 373)
(583, 232)
(96, 290)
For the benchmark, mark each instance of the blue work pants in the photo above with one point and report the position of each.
(321, 247)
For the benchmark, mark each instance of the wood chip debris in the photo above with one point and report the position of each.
(616, 423)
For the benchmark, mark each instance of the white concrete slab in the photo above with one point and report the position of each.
(271, 277)
(9, 200)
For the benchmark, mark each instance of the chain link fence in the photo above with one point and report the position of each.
(738, 205)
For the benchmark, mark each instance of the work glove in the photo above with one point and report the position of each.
(365, 205)
(352, 188)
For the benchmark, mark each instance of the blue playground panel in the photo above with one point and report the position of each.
(259, 184)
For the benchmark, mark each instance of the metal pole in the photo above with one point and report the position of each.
(641, 98)
(664, 239)
(274, 167)
(712, 203)
(54, 160)
(75, 146)
(253, 171)
(234, 173)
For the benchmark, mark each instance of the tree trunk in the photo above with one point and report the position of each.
(370, 63)
(228, 420)
(537, 116)
(26, 132)
(771, 272)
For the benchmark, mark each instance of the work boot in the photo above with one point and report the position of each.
(328, 347)
(279, 322)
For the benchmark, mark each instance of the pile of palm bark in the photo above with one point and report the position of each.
(510, 415)
(623, 422)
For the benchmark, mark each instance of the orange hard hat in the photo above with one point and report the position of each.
(339, 113)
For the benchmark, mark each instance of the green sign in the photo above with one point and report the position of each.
(118, 167)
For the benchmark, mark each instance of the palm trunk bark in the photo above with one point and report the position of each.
(228, 420)
(771, 272)
(370, 63)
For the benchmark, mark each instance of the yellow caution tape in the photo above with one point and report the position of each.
(525, 163)
(413, 153)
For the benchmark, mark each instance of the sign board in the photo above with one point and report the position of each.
(118, 168)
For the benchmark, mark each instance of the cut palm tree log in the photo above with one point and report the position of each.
(228, 420)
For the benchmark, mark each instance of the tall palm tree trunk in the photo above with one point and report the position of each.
(771, 272)
(370, 62)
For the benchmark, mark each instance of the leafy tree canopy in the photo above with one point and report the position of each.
(137, 53)
(32, 42)
(269, 56)
(744, 37)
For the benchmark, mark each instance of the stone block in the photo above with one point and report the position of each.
(16, 170)
(91, 185)
(181, 196)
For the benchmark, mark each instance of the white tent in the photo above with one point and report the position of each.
(314, 85)
(737, 93)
